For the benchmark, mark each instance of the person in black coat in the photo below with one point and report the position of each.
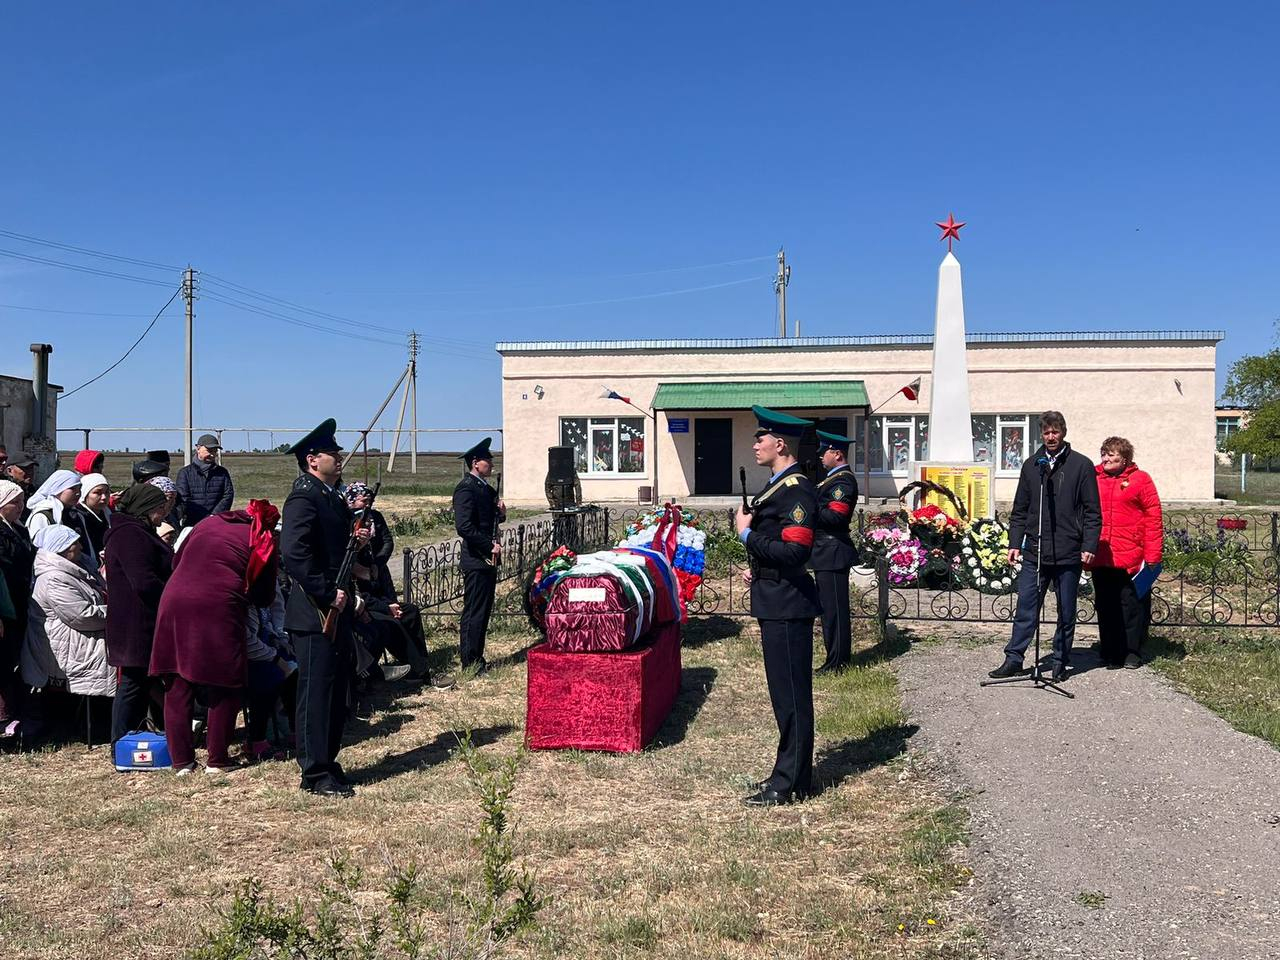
(778, 534)
(17, 558)
(317, 526)
(1063, 540)
(833, 552)
(477, 511)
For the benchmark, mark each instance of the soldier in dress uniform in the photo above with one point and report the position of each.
(833, 553)
(316, 529)
(778, 534)
(476, 514)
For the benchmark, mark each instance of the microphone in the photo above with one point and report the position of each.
(1043, 463)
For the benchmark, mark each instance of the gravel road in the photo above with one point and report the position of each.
(1129, 823)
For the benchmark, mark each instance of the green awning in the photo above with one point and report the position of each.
(776, 394)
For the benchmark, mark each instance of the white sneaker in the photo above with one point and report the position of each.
(186, 771)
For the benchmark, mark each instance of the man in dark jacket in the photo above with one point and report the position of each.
(204, 485)
(833, 552)
(477, 511)
(1063, 538)
(778, 534)
(313, 541)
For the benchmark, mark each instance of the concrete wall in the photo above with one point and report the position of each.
(16, 402)
(1157, 393)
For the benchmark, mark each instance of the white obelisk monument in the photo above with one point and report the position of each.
(951, 462)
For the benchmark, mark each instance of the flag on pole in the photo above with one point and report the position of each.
(607, 394)
(912, 390)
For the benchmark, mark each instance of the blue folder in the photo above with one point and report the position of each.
(1145, 578)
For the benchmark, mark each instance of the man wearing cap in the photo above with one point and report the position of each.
(23, 472)
(833, 553)
(313, 541)
(778, 534)
(477, 511)
(204, 485)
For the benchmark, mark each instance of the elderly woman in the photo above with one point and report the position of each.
(17, 557)
(172, 515)
(138, 566)
(1132, 537)
(66, 637)
(227, 565)
(92, 516)
(55, 498)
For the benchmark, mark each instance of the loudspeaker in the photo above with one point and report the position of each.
(560, 464)
(562, 487)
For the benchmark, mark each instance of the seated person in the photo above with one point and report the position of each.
(273, 676)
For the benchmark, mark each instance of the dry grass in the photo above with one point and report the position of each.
(642, 855)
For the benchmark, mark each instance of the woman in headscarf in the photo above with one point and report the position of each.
(17, 556)
(172, 515)
(138, 566)
(227, 565)
(56, 496)
(92, 516)
(89, 461)
(66, 636)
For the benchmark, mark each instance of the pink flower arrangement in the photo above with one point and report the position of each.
(905, 557)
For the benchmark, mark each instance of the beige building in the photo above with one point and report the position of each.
(695, 427)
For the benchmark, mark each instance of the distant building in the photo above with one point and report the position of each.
(29, 413)
(1154, 387)
(1229, 420)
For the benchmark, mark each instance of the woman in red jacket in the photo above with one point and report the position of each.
(1132, 535)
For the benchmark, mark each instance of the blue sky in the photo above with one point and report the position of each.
(473, 169)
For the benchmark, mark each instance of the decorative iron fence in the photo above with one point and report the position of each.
(1222, 576)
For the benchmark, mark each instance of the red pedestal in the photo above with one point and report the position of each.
(602, 701)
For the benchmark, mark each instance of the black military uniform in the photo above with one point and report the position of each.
(785, 601)
(475, 517)
(833, 552)
(316, 529)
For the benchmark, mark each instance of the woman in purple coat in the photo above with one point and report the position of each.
(138, 565)
(226, 565)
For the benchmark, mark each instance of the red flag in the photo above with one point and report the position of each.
(912, 389)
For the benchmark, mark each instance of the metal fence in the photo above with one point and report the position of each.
(1219, 577)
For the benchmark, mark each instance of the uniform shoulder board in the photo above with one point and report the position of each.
(792, 480)
(305, 481)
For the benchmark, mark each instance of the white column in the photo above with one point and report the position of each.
(950, 426)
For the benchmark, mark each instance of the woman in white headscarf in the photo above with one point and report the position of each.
(67, 631)
(56, 496)
(92, 516)
(16, 558)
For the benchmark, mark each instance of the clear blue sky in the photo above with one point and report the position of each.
(460, 167)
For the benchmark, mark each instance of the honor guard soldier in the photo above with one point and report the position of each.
(833, 552)
(317, 527)
(477, 511)
(778, 534)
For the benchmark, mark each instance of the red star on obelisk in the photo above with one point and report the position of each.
(950, 229)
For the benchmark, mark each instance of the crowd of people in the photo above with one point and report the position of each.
(162, 598)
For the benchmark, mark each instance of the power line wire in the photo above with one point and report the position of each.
(263, 312)
(87, 252)
(249, 291)
(82, 269)
(593, 303)
(70, 393)
(73, 313)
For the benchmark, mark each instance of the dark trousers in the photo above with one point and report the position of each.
(266, 686)
(133, 699)
(220, 727)
(837, 637)
(788, 669)
(1066, 581)
(324, 684)
(477, 607)
(1123, 617)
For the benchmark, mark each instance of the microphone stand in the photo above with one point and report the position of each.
(1037, 678)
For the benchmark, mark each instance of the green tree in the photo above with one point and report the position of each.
(1254, 384)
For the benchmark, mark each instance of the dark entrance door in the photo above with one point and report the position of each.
(712, 456)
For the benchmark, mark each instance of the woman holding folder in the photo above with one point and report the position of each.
(1129, 554)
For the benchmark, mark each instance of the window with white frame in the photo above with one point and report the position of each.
(1002, 439)
(605, 446)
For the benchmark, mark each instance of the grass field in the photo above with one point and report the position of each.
(645, 855)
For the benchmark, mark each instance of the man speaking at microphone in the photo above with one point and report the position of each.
(1063, 539)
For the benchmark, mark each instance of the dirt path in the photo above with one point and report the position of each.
(1128, 823)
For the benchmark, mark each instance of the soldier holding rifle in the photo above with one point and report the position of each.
(317, 534)
(477, 511)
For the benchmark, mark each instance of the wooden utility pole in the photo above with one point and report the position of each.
(780, 288)
(188, 292)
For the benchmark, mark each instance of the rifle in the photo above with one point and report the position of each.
(496, 521)
(742, 480)
(348, 561)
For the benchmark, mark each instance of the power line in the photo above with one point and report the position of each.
(82, 269)
(263, 312)
(127, 352)
(73, 313)
(248, 291)
(87, 252)
(593, 303)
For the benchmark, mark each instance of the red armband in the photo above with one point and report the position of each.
(802, 535)
(840, 507)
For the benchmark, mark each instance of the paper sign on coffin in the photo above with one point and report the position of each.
(610, 600)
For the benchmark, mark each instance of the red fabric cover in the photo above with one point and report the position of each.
(1132, 526)
(840, 507)
(666, 608)
(602, 701)
(796, 534)
(581, 625)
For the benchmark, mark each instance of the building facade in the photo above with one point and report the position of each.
(694, 427)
